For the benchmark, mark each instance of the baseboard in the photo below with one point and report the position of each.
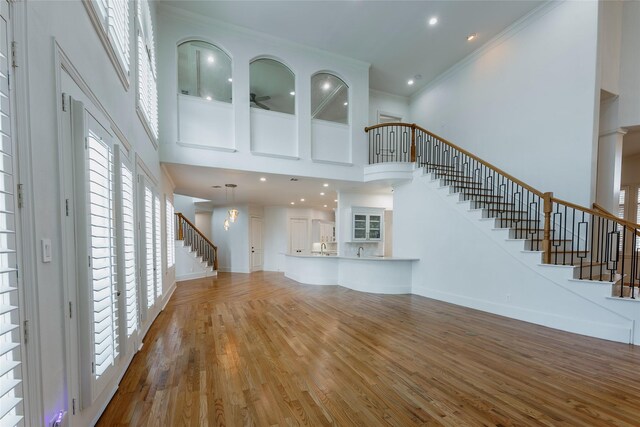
(195, 275)
(168, 295)
(607, 331)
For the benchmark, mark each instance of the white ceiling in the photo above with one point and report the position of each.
(277, 190)
(393, 36)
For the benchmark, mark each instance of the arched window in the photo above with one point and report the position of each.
(204, 70)
(272, 86)
(329, 98)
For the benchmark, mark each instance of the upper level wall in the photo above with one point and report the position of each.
(527, 101)
(242, 45)
(382, 102)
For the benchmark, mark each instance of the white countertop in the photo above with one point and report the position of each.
(369, 258)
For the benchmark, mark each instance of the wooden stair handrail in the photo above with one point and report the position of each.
(179, 214)
(630, 225)
(414, 126)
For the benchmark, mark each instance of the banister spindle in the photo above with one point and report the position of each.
(546, 241)
(413, 143)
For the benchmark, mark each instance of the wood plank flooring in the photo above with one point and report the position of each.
(259, 349)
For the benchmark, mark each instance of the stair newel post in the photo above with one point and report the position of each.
(180, 228)
(546, 241)
(413, 143)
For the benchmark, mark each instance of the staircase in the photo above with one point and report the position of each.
(196, 255)
(596, 248)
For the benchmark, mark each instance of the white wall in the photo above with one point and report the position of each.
(610, 41)
(233, 244)
(276, 232)
(281, 154)
(465, 261)
(346, 202)
(630, 65)
(185, 206)
(387, 103)
(527, 102)
(203, 222)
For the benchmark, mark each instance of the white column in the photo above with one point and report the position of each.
(609, 169)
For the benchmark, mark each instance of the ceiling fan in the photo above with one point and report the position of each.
(257, 100)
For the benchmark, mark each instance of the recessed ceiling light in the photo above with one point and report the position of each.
(208, 98)
(326, 86)
(433, 21)
(230, 79)
(471, 37)
(292, 93)
(325, 184)
(210, 59)
(325, 206)
(293, 203)
(335, 200)
(410, 82)
(263, 179)
(302, 200)
(322, 194)
(346, 103)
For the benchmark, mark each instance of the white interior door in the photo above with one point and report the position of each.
(256, 244)
(298, 236)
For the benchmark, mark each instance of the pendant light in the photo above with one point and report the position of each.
(233, 212)
(226, 225)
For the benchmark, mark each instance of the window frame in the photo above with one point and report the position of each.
(101, 21)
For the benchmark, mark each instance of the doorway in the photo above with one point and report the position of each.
(257, 252)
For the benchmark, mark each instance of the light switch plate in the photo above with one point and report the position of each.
(46, 250)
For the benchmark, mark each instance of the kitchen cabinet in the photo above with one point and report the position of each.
(367, 224)
(323, 231)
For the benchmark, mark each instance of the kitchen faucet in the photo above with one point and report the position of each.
(360, 249)
(323, 246)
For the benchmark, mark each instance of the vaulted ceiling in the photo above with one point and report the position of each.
(393, 36)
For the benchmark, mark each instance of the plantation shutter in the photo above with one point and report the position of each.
(147, 77)
(118, 28)
(102, 252)
(129, 243)
(148, 241)
(158, 246)
(638, 217)
(11, 410)
(171, 247)
(621, 212)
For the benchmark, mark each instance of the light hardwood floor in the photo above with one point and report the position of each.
(259, 349)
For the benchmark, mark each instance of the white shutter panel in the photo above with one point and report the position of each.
(10, 349)
(158, 246)
(638, 218)
(129, 243)
(171, 248)
(621, 211)
(147, 81)
(102, 252)
(148, 240)
(119, 29)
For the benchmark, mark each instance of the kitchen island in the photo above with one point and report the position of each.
(382, 275)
